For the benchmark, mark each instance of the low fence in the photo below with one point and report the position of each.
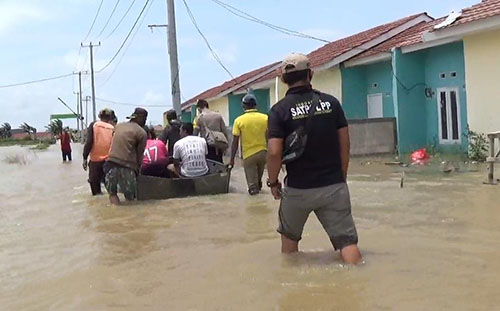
(368, 136)
(493, 157)
(373, 136)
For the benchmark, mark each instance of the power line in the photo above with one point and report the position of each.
(235, 11)
(126, 38)
(95, 19)
(212, 51)
(121, 20)
(254, 19)
(129, 104)
(36, 81)
(109, 19)
(127, 47)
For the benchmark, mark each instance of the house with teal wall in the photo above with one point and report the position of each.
(325, 61)
(421, 85)
(236, 109)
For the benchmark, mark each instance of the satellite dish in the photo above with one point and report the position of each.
(449, 20)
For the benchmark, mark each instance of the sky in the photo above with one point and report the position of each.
(41, 39)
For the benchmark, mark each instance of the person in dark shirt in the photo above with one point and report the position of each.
(316, 181)
(65, 138)
(171, 133)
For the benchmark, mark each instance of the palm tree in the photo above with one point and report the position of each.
(55, 127)
(28, 129)
(5, 130)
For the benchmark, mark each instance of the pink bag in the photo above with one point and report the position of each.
(420, 157)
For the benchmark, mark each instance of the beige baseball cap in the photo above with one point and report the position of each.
(295, 62)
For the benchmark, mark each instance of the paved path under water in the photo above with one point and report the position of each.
(433, 245)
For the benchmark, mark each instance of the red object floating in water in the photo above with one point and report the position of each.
(420, 157)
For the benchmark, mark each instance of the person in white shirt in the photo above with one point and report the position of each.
(190, 154)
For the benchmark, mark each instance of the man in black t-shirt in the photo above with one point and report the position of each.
(317, 180)
(171, 133)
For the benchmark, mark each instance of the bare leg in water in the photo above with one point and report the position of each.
(349, 254)
(113, 199)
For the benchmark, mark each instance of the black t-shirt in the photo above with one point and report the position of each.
(320, 164)
(171, 135)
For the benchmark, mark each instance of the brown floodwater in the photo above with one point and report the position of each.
(432, 245)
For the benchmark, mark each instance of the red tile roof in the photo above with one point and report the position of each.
(414, 35)
(317, 57)
(408, 37)
(228, 84)
(485, 9)
(328, 52)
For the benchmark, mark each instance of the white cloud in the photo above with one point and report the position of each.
(13, 14)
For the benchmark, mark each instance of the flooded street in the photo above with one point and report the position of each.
(433, 245)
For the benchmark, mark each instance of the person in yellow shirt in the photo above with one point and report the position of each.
(251, 129)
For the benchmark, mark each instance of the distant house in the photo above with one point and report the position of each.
(478, 28)
(325, 61)
(18, 134)
(433, 78)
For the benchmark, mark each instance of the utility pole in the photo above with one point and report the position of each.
(174, 63)
(79, 107)
(79, 113)
(86, 100)
(80, 98)
(91, 46)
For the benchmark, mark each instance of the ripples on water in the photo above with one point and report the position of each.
(432, 245)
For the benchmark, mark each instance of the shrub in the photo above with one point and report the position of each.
(478, 145)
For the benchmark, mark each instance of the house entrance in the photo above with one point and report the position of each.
(449, 116)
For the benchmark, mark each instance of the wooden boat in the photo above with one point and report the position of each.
(156, 188)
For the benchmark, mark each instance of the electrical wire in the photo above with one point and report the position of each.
(110, 17)
(129, 104)
(95, 19)
(126, 38)
(237, 12)
(121, 20)
(212, 51)
(254, 19)
(128, 46)
(36, 81)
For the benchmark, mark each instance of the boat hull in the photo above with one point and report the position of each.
(156, 188)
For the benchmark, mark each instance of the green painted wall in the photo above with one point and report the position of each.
(417, 115)
(236, 110)
(354, 92)
(445, 59)
(408, 94)
(359, 82)
(193, 112)
(381, 75)
(186, 116)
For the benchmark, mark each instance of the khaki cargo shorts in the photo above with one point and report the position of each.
(332, 206)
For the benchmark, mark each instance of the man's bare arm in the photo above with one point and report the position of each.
(274, 155)
(234, 148)
(345, 148)
(177, 166)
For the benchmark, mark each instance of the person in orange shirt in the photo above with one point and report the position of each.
(99, 136)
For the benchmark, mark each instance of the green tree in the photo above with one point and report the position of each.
(55, 127)
(5, 130)
(28, 129)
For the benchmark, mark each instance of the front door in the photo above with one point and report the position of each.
(449, 116)
(375, 106)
